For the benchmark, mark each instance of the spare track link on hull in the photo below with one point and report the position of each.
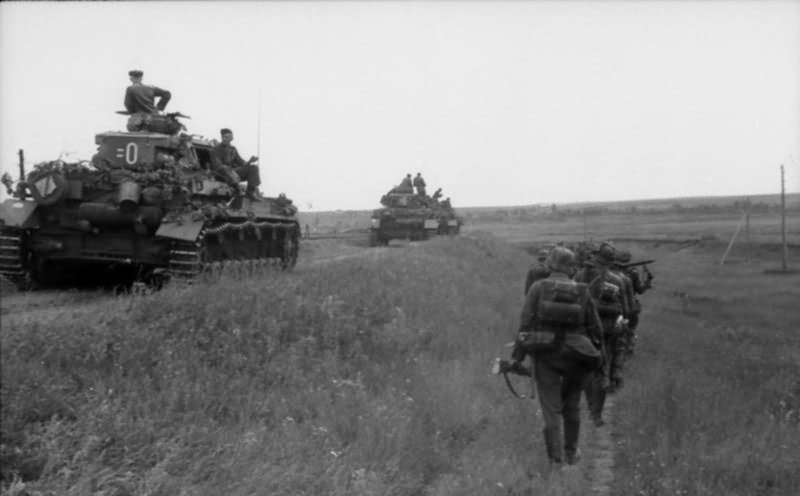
(189, 260)
(12, 259)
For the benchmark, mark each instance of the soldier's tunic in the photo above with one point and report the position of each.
(225, 158)
(419, 183)
(559, 372)
(140, 99)
(624, 341)
(405, 186)
(601, 279)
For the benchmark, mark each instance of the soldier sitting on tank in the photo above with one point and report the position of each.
(405, 185)
(437, 194)
(446, 203)
(140, 100)
(228, 164)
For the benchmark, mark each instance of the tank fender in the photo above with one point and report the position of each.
(185, 229)
(19, 213)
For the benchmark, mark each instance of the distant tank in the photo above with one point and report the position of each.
(412, 217)
(147, 206)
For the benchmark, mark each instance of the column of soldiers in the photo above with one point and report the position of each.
(578, 325)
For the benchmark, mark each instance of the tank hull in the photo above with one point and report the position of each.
(73, 244)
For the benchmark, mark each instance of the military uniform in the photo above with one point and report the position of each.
(538, 271)
(225, 159)
(560, 329)
(623, 342)
(639, 287)
(419, 183)
(405, 185)
(140, 98)
(608, 292)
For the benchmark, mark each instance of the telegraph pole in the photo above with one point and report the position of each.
(747, 230)
(783, 222)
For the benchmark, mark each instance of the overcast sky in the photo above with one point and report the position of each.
(498, 103)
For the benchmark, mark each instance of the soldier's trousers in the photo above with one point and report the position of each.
(559, 382)
(250, 174)
(610, 372)
(633, 322)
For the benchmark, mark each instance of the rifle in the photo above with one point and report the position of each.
(505, 367)
(515, 366)
(636, 264)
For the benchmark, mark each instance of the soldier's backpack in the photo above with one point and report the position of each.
(607, 292)
(560, 310)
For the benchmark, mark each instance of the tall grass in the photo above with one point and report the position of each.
(712, 404)
(361, 376)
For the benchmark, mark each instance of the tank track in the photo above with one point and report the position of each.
(12, 258)
(190, 260)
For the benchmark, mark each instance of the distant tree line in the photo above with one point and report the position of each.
(554, 212)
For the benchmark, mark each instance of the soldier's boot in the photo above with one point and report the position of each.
(616, 384)
(552, 442)
(597, 403)
(252, 193)
(572, 430)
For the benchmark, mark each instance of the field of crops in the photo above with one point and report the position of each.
(366, 371)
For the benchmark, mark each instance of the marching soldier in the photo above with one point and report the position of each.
(608, 292)
(538, 270)
(560, 329)
(639, 287)
(623, 340)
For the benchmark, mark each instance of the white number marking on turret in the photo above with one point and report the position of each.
(131, 153)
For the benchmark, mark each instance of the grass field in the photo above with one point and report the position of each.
(365, 371)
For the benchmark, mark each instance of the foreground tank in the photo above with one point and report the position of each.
(412, 217)
(145, 208)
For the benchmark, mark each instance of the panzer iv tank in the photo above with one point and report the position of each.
(409, 216)
(147, 205)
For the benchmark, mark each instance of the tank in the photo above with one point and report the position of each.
(413, 217)
(147, 206)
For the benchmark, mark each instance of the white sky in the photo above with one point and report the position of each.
(498, 103)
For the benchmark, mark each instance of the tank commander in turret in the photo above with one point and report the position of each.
(140, 98)
(226, 162)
